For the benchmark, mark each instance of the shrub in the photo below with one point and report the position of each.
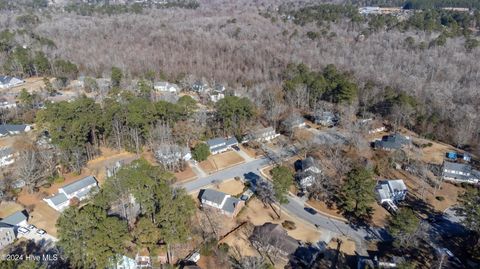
(207, 247)
(289, 225)
(223, 247)
(440, 198)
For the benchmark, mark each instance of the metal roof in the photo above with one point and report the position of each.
(59, 199)
(7, 128)
(215, 142)
(15, 218)
(79, 184)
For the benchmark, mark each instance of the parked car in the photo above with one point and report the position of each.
(310, 210)
(236, 148)
(41, 232)
(23, 230)
(31, 227)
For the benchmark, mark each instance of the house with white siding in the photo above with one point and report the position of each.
(80, 189)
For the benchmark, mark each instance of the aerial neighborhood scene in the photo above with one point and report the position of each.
(247, 134)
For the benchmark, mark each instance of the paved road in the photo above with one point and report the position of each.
(295, 206)
(238, 170)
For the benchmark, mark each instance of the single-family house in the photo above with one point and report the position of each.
(216, 96)
(392, 142)
(261, 135)
(163, 86)
(125, 262)
(273, 238)
(307, 172)
(296, 122)
(391, 190)
(17, 219)
(7, 235)
(227, 204)
(459, 172)
(79, 189)
(7, 105)
(326, 118)
(200, 87)
(8, 82)
(6, 156)
(220, 144)
(13, 129)
(219, 88)
(172, 153)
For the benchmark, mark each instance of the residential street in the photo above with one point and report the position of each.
(295, 206)
(238, 170)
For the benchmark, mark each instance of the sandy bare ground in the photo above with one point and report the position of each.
(231, 186)
(223, 160)
(41, 215)
(226, 160)
(8, 208)
(347, 246)
(185, 175)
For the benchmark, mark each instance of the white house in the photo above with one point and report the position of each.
(13, 129)
(163, 86)
(261, 135)
(79, 189)
(215, 97)
(8, 82)
(391, 190)
(6, 157)
(309, 169)
(7, 105)
(220, 144)
(7, 235)
(227, 204)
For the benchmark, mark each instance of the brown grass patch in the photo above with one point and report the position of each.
(322, 207)
(226, 159)
(8, 208)
(257, 214)
(231, 186)
(186, 174)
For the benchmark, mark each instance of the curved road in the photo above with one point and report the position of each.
(294, 207)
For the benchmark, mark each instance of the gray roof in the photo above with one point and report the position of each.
(6, 79)
(466, 169)
(79, 184)
(309, 162)
(212, 196)
(230, 204)
(5, 225)
(462, 167)
(15, 218)
(215, 142)
(275, 236)
(231, 141)
(5, 151)
(395, 141)
(7, 128)
(59, 199)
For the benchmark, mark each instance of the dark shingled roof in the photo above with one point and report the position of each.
(275, 236)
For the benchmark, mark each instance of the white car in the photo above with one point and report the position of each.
(31, 227)
(23, 230)
(41, 232)
(195, 257)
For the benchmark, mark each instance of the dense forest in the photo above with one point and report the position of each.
(430, 56)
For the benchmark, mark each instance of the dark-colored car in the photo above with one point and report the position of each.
(236, 148)
(310, 210)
